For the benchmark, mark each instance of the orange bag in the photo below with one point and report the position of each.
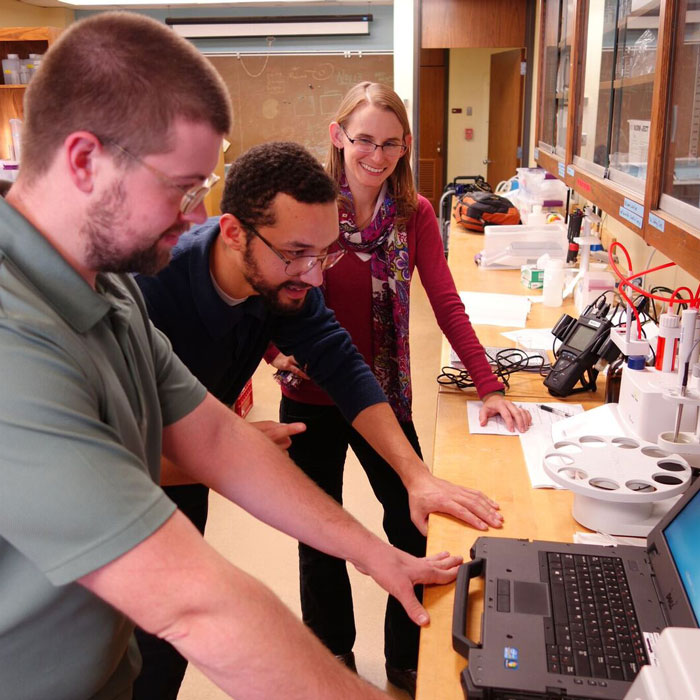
(474, 210)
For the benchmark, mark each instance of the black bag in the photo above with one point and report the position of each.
(474, 210)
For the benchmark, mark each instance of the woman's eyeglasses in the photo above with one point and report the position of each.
(391, 148)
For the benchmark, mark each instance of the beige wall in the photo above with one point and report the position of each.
(404, 28)
(19, 14)
(470, 76)
(535, 67)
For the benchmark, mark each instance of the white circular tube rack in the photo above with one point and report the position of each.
(618, 482)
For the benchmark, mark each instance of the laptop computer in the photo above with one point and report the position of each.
(576, 621)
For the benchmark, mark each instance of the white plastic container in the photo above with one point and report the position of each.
(667, 342)
(511, 247)
(24, 70)
(10, 69)
(553, 284)
(8, 170)
(536, 216)
(36, 62)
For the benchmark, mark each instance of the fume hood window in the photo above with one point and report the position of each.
(558, 37)
(618, 83)
(681, 177)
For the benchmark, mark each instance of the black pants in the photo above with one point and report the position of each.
(326, 598)
(163, 667)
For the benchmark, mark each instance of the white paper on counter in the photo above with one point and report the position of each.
(497, 426)
(496, 309)
(531, 338)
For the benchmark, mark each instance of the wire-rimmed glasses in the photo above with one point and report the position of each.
(191, 197)
(301, 264)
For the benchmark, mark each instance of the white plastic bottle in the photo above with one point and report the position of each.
(10, 69)
(667, 342)
(553, 282)
(536, 216)
(36, 62)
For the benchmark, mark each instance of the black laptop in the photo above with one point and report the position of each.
(576, 621)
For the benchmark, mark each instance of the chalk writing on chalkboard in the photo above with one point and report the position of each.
(292, 98)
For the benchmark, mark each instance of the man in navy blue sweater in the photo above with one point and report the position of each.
(252, 277)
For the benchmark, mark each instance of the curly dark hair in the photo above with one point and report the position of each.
(260, 174)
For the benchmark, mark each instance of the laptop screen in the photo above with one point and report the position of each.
(682, 536)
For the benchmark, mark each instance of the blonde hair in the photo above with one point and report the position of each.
(401, 185)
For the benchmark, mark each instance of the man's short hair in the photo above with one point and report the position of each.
(263, 172)
(125, 78)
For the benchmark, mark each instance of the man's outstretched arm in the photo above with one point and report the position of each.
(221, 450)
(234, 629)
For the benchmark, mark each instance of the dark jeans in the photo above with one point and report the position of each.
(326, 598)
(163, 667)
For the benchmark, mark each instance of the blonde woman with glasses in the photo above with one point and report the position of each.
(388, 231)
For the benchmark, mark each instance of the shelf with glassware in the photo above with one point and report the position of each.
(634, 149)
(22, 41)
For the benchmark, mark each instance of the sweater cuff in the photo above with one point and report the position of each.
(502, 392)
(271, 353)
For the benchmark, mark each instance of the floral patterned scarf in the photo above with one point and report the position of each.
(386, 244)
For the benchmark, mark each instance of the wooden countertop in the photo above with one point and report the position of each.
(492, 464)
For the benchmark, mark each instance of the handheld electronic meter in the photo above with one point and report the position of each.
(585, 341)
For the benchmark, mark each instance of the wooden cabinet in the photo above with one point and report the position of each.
(633, 123)
(22, 41)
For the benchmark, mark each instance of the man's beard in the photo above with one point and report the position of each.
(270, 293)
(101, 233)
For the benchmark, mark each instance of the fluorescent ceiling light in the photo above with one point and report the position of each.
(301, 25)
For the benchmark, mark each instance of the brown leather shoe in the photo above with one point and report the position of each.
(348, 659)
(404, 678)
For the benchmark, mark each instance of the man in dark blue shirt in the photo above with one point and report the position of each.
(252, 277)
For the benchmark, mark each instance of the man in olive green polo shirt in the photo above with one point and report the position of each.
(124, 123)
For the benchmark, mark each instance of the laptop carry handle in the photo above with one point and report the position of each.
(460, 642)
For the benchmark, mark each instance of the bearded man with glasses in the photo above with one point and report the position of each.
(240, 282)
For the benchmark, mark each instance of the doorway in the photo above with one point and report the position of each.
(432, 104)
(484, 113)
(505, 115)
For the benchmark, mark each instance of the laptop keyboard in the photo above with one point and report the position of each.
(593, 630)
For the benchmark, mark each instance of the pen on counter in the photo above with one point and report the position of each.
(555, 411)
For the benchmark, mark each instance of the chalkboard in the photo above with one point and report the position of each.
(292, 98)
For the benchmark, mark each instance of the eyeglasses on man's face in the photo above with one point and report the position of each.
(390, 148)
(301, 264)
(192, 197)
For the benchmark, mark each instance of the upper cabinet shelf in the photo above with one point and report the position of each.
(628, 136)
(22, 41)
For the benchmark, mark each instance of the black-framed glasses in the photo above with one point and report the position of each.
(390, 148)
(301, 264)
(192, 197)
